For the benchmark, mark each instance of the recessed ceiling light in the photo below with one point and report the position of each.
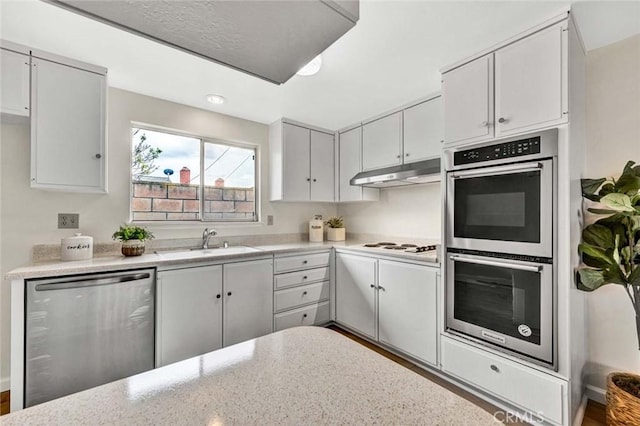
(215, 99)
(312, 67)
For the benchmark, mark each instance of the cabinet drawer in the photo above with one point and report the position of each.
(301, 277)
(309, 315)
(529, 389)
(312, 293)
(284, 264)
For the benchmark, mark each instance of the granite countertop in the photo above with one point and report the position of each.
(303, 375)
(162, 258)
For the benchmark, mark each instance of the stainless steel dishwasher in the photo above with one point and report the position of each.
(84, 331)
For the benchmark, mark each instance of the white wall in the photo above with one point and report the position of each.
(412, 212)
(613, 138)
(29, 216)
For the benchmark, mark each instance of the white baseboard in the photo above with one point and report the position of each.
(597, 394)
(579, 418)
(4, 384)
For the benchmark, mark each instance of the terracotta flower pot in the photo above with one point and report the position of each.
(133, 247)
(623, 399)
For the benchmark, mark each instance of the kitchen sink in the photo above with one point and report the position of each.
(209, 252)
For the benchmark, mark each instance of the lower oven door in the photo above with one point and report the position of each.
(505, 303)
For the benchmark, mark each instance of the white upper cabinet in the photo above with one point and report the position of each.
(382, 142)
(423, 130)
(67, 126)
(529, 78)
(322, 170)
(518, 88)
(14, 92)
(302, 163)
(468, 101)
(248, 300)
(350, 160)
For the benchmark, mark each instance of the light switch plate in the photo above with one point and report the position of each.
(68, 220)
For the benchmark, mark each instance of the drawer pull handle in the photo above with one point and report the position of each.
(304, 262)
(304, 316)
(229, 294)
(304, 278)
(218, 296)
(381, 288)
(304, 293)
(495, 368)
(372, 286)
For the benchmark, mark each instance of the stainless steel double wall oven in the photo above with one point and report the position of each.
(500, 240)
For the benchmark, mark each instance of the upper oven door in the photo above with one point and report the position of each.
(502, 209)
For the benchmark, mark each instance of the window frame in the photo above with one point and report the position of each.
(201, 186)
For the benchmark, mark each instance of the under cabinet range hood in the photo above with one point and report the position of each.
(406, 174)
(269, 39)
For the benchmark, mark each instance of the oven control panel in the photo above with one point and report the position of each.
(495, 152)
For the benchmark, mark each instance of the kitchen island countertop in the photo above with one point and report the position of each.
(303, 375)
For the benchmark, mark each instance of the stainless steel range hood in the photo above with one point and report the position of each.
(406, 174)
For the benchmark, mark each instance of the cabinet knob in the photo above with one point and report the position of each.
(501, 120)
(397, 156)
(372, 286)
(315, 180)
(495, 368)
(304, 278)
(304, 262)
(304, 293)
(304, 316)
(98, 155)
(229, 294)
(381, 288)
(407, 154)
(218, 296)
(308, 179)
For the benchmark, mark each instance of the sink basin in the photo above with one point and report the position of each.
(210, 252)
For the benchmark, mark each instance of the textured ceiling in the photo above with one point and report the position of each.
(392, 56)
(268, 39)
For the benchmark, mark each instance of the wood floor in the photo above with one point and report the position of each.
(595, 415)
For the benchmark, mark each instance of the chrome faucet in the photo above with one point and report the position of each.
(206, 235)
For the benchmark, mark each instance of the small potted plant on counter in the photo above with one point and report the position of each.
(133, 239)
(335, 230)
(610, 248)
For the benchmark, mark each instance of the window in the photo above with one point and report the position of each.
(185, 178)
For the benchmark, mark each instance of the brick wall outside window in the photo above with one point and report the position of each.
(163, 201)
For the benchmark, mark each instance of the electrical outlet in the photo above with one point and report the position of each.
(269, 220)
(68, 220)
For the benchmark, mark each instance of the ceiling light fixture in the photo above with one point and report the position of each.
(312, 67)
(215, 99)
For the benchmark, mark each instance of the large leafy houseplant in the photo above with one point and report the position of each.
(610, 246)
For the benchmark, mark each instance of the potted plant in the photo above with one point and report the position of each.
(335, 230)
(133, 239)
(610, 249)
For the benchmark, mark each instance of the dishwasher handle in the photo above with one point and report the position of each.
(91, 282)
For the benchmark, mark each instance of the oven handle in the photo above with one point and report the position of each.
(509, 265)
(499, 170)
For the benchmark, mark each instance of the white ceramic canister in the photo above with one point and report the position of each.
(316, 230)
(78, 247)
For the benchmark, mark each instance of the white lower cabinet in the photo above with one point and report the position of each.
(302, 290)
(248, 301)
(537, 393)
(189, 313)
(204, 308)
(391, 302)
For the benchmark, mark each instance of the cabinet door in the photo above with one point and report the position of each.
(189, 316)
(15, 83)
(407, 308)
(322, 167)
(355, 293)
(248, 300)
(468, 101)
(296, 163)
(423, 132)
(382, 142)
(530, 82)
(67, 127)
(350, 164)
